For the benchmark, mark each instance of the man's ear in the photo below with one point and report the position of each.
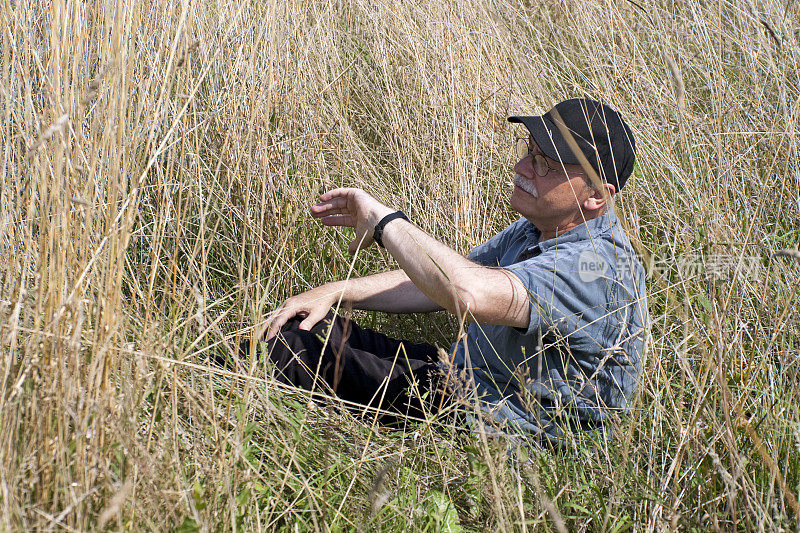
(598, 200)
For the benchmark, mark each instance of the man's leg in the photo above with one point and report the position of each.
(357, 364)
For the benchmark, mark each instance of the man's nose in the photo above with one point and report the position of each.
(524, 166)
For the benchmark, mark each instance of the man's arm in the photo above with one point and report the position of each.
(390, 292)
(484, 295)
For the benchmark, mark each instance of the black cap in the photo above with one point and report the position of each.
(599, 132)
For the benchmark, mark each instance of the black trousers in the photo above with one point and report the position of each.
(358, 365)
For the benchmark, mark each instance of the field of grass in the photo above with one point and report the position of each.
(158, 160)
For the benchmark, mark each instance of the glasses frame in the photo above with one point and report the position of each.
(539, 160)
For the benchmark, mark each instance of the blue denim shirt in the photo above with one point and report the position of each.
(580, 358)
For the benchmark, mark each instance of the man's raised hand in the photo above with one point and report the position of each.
(353, 208)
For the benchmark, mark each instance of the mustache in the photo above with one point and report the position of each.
(526, 185)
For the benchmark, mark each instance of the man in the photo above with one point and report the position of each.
(555, 302)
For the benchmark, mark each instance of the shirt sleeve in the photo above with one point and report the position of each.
(559, 296)
(489, 253)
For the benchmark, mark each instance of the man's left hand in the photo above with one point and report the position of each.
(353, 208)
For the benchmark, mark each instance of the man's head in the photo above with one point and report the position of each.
(580, 131)
(579, 154)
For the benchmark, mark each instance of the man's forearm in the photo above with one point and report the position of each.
(389, 292)
(485, 295)
(439, 271)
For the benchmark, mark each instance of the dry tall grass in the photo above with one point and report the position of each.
(158, 159)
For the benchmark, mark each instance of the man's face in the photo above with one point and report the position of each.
(556, 196)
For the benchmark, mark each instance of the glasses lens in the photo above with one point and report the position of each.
(540, 165)
(522, 148)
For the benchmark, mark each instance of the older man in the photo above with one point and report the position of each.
(556, 301)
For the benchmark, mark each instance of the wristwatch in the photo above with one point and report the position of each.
(377, 235)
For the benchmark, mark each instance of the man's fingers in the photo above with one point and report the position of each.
(324, 210)
(340, 194)
(331, 206)
(266, 327)
(311, 320)
(274, 327)
(277, 323)
(339, 220)
(334, 204)
(281, 319)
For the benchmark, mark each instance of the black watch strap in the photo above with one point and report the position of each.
(377, 235)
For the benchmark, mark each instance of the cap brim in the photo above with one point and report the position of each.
(548, 138)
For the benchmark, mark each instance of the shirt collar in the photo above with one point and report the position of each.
(589, 229)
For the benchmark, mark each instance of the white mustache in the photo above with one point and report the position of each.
(526, 185)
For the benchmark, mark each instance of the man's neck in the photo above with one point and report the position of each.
(552, 234)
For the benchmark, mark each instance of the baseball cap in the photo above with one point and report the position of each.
(598, 132)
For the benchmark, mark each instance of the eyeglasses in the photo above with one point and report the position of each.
(540, 164)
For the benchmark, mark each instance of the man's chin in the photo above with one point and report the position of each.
(520, 201)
